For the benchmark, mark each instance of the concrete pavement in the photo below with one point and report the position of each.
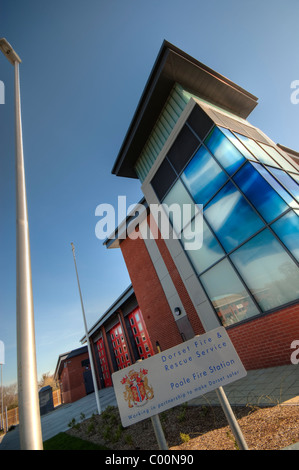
(262, 387)
(57, 421)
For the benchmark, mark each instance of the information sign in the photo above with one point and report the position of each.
(177, 375)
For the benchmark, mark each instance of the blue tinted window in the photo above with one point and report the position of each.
(287, 229)
(237, 143)
(224, 151)
(260, 193)
(274, 183)
(268, 270)
(227, 294)
(257, 151)
(231, 217)
(210, 251)
(203, 176)
(287, 181)
(179, 206)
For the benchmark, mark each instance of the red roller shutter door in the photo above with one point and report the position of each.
(120, 347)
(140, 334)
(104, 363)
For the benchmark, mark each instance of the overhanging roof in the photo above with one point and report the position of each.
(175, 66)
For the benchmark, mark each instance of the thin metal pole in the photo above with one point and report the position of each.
(231, 419)
(159, 433)
(157, 426)
(233, 423)
(94, 379)
(6, 420)
(30, 424)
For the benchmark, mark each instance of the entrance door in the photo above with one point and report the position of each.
(89, 388)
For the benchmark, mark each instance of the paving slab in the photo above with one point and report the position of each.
(262, 387)
(57, 420)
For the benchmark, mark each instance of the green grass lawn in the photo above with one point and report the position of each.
(63, 441)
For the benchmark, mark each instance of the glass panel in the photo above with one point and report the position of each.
(274, 183)
(278, 157)
(224, 151)
(257, 151)
(287, 181)
(200, 122)
(260, 193)
(231, 217)
(287, 229)
(227, 294)
(203, 176)
(267, 269)
(163, 179)
(183, 148)
(237, 143)
(210, 251)
(183, 207)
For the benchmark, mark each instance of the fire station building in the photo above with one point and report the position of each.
(190, 144)
(119, 338)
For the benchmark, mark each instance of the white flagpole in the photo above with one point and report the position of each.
(30, 424)
(95, 385)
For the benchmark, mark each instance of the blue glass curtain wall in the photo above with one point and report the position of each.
(231, 217)
(248, 262)
(267, 269)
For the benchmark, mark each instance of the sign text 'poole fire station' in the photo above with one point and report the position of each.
(177, 375)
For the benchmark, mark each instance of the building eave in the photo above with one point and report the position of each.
(175, 66)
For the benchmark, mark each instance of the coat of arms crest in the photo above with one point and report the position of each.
(137, 390)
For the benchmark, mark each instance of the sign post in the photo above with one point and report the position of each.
(158, 430)
(177, 375)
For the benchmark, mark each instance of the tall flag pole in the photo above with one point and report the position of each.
(94, 379)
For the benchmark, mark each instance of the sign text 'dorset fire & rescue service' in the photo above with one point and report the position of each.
(177, 375)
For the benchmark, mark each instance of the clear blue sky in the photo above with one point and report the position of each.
(84, 67)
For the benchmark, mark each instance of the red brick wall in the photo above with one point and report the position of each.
(72, 380)
(266, 341)
(65, 386)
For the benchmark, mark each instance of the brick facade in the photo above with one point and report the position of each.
(71, 379)
(266, 341)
